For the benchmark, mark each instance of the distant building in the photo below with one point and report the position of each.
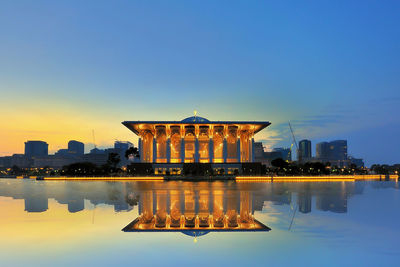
(334, 152)
(62, 152)
(54, 161)
(97, 151)
(76, 147)
(19, 160)
(123, 145)
(304, 152)
(338, 150)
(270, 156)
(36, 148)
(358, 162)
(96, 158)
(286, 153)
(266, 157)
(258, 151)
(322, 151)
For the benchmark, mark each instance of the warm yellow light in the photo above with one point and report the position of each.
(144, 178)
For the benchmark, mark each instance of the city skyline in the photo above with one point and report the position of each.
(328, 68)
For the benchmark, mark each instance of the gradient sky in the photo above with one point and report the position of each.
(332, 68)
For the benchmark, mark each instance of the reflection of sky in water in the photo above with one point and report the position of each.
(79, 223)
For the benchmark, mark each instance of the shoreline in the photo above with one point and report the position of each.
(265, 178)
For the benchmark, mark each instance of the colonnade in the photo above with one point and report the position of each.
(196, 143)
(202, 208)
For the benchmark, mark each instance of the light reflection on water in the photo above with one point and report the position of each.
(47, 223)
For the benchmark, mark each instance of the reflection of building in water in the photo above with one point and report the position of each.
(304, 198)
(333, 198)
(176, 199)
(36, 204)
(304, 202)
(200, 209)
(332, 203)
(72, 194)
(76, 205)
(35, 200)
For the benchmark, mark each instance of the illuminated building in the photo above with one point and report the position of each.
(195, 140)
(195, 211)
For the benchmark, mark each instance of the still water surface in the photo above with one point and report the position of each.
(70, 223)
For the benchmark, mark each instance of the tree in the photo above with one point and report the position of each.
(279, 163)
(80, 169)
(132, 152)
(113, 160)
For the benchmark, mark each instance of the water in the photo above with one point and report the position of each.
(70, 223)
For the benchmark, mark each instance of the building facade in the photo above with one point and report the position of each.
(196, 140)
(36, 148)
(304, 152)
(76, 147)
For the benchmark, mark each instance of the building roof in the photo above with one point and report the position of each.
(137, 226)
(135, 126)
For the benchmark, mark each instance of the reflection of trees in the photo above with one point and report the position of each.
(132, 199)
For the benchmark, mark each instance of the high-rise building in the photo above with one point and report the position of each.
(322, 151)
(304, 152)
(334, 152)
(36, 148)
(76, 147)
(338, 150)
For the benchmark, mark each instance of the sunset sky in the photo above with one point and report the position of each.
(331, 68)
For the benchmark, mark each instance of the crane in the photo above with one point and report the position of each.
(94, 141)
(299, 160)
(295, 142)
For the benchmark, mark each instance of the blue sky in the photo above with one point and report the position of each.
(329, 67)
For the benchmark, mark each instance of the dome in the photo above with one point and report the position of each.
(195, 233)
(195, 119)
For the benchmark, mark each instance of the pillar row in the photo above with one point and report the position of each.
(168, 148)
(211, 150)
(182, 154)
(238, 149)
(225, 150)
(154, 149)
(196, 150)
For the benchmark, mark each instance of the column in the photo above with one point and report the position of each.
(140, 145)
(211, 150)
(225, 150)
(154, 149)
(168, 150)
(182, 150)
(196, 150)
(252, 150)
(238, 149)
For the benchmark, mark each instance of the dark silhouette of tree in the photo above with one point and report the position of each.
(132, 152)
(80, 169)
(15, 170)
(279, 163)
(113, 160)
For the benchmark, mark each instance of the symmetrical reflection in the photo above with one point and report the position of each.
(202, 207)
(188, 204)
